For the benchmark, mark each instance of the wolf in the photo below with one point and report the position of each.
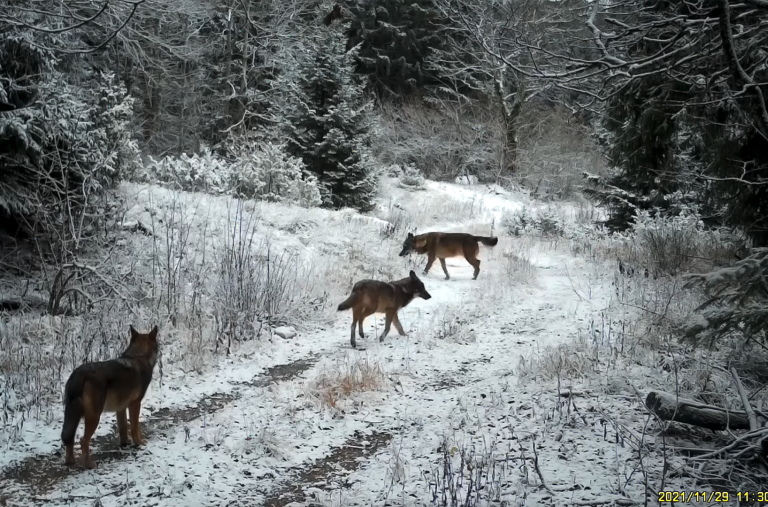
(109, 386)
(442, 245)
(372, 296)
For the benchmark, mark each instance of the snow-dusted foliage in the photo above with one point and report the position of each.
(59, 143)
(545, 222)
(671, 245)
(329, 123)
(112, 118)
(408, 176)
(262, 171)
(737, 303)
(270, 173)
(198, 172)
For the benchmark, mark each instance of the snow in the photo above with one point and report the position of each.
(286, 332)
(463, 374)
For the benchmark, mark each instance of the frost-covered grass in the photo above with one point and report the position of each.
(523, 386)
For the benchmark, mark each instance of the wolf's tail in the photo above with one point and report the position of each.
(487, 241)
(73, 409)
(349, 302)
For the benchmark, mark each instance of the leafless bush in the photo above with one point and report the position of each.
(568, 361)
(397, 218)
(672, 245)
(178, 260)
(443, 140)
(256, 283)
(455, 330)
(518, 267)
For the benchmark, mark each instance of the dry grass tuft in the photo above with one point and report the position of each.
(335, 385)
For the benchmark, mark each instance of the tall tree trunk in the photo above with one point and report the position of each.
(228, 67)
(244, 78)
(510, 110)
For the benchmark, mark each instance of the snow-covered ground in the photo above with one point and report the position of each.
(500, 372)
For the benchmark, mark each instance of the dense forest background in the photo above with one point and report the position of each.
(673, 94)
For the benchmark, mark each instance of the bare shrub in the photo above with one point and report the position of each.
(256, 283)
(455, 329)
(553, 153)
(178, 265)
(671, 245)
(444, 139)
(563, 361)
(518, 267)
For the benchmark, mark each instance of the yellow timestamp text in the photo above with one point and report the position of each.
(695, 496)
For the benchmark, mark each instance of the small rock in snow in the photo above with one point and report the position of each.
(286, 332)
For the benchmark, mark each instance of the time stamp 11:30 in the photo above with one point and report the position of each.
(713, 496)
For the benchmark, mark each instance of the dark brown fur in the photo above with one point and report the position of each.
(109, 386)
(371, 296)
(442, 245)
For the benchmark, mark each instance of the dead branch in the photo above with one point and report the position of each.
(669, 407)
(745, 401)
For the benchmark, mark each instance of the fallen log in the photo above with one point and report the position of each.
(670, 408)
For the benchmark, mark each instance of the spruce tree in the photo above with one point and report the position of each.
(395, 39)
(329, 122)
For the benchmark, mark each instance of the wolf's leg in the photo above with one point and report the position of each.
(477, 268)
(91, 423)
(430, 261)
(134, 408)
(352, 336)
(398, 326)
(445, 269)
(470, 254)
(122, 427)
(388, 322)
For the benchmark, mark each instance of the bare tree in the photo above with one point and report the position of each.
(85, 19)
(476, 59)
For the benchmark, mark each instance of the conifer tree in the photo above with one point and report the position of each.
(395, 38)
(328, 121)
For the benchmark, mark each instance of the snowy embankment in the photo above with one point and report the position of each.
(496, 372)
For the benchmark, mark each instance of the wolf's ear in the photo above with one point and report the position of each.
(153, 333)
(413, 275)
(410, 235)
(134, 333)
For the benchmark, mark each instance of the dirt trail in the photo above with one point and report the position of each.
(42, 472)
(339, 463)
